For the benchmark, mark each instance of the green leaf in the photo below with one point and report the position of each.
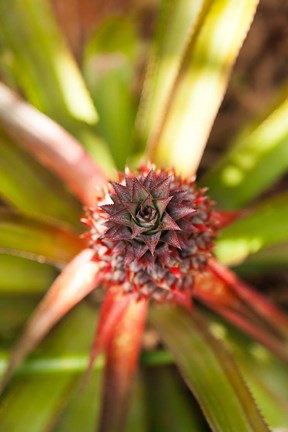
(14, 311)
(36, 401)
(265, 374)
(51, 145)
(175, 23)
(54, 364)
(45, 70)
(45, 395)
(78, 279)
(198, 90)
(22, 276)
(265, 225)
(83, 408)
(169, 409)
(137, 416)
(17, 165)
(41, 62)
(270, 257)
(258, 156)
(209, 371)
(109, 67)
(37, 240)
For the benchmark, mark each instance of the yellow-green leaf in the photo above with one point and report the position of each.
(41, 64)
(19, 275)
(36, 401)
(37, 240)
(41, 61)
(263, 226)
(201, 83)
(109, 67)
(257, 157)
(24, 183)
(176, 22)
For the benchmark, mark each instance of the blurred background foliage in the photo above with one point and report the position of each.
(83, 63)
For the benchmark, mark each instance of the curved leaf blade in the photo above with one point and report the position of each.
(109, 66)
(270, 257)
(42, 63)
(122, 354)
(169, 409)
(16, 165)
(37, 400)
(83, 408)
(76, 281)
(209, 371)
(176, 23)
(266, 375)
(200, 85)
(37, 240)
(28, 276)
(45, 70)
(51, 145)
(263, 226)
(257, 157)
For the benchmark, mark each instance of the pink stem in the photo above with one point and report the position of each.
(224, 218)
(76, 281)
(247, 293)
(112, 310)
(217, 295)
(256, 333)
(51, 145)
(121, 361)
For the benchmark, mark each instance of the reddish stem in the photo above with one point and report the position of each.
(247, 293)
(51, 145)
(121, 361)
(76, 281)
(112, 311)
(218, 295)
(273, 344)
(224, 218)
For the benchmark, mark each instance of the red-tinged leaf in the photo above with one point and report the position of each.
(51, 145)
(243, 313)
(169, 224)
(248, 294)
(209, 371)
(162, 188)
(137, 229)
(183, 299)
(161, 204)
(121, 361)
(139, 193)
(225, 218)
(180, 211)
(112, 310)
(152, 241)
(122, 217)
(77, 280)
(171, 238)
(122, 192)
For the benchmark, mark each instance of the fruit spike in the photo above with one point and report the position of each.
(152, 231)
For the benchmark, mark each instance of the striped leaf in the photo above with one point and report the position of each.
(258, 156)
(209, 372)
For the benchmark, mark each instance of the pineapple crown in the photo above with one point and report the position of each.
(152, 231)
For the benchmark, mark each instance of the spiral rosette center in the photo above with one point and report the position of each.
(152, 231)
